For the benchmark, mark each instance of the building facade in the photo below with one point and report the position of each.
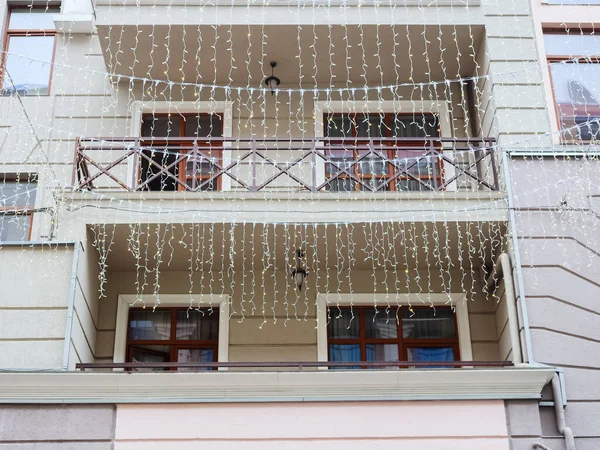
(217, 220)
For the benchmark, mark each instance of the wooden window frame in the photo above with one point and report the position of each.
(402, 342)
(201, 143)
(19, 210)
(29, 33)
(390, 153)
(567, 59)
(174, 343)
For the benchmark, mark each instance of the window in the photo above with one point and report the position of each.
(29, 46)
(174, 135)
(574, 71)
(173, 335)
(17, 199)
(366, 333)
(399, 160)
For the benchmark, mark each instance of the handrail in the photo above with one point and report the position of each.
(294, 364)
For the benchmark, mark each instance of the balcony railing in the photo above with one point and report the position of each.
(315, 165)
(285, 365)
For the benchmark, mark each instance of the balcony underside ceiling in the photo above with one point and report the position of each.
(326, 55)
(375, 246)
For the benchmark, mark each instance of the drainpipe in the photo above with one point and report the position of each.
(502, 268)
(560, 417)
(71, 308)
(560, 414)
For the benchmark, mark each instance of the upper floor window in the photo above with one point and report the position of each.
(382, 152)
(181, 335)
(29, 51)
(575, 71)
(366, 333)
(180, 152)
(17, 199)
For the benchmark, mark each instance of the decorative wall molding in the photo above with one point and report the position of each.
(523, 382)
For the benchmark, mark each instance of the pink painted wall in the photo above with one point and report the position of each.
(464, 425)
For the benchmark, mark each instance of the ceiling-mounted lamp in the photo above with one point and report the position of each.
(299, 273)
(272, 82)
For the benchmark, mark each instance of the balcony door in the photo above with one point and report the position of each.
(381, 152)
(178, 152)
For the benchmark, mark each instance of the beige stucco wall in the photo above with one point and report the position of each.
(382, 425)
(34, 296)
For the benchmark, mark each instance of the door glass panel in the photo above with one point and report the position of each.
(380, 324)
(197, 325)
(149, 325)
(344, 353)
(161, 126)
(203, 125)
(382, 352)
(430, 354)
(343, 324)
(150, 354)
(338, 125)
(194, 355)
(428, 323)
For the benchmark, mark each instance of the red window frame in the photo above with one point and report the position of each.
(214, 151)
(402, 342)
(29, 33)
(173, 342)
(567, 59)
(395, 145)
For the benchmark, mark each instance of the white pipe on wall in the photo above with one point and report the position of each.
(503, 269)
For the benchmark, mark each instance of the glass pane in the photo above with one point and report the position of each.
(577, 96)
(428, 323)
(381, 324)
(197, 325)
(372, 126)
(204, 125)
(430, 354)
(382, 352)
(148, 325)
(161, 126)
(160, 157)
(374, 164)
(338, 125)
(572, 44)
(342, 158)
(344, 353)
(14, 228)
(149, 354)
(24, 76)
(17, 193)
(343, 324)
(377, 184)
(32, 19)
(341, 185)
(415, 126)
(194, 355)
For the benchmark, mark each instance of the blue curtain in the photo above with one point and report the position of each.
(345, 353)
(431, 354)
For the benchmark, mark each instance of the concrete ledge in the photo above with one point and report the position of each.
(118, 387)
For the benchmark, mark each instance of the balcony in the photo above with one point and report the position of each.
(312, 165)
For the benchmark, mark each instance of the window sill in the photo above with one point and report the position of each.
(523, 382)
